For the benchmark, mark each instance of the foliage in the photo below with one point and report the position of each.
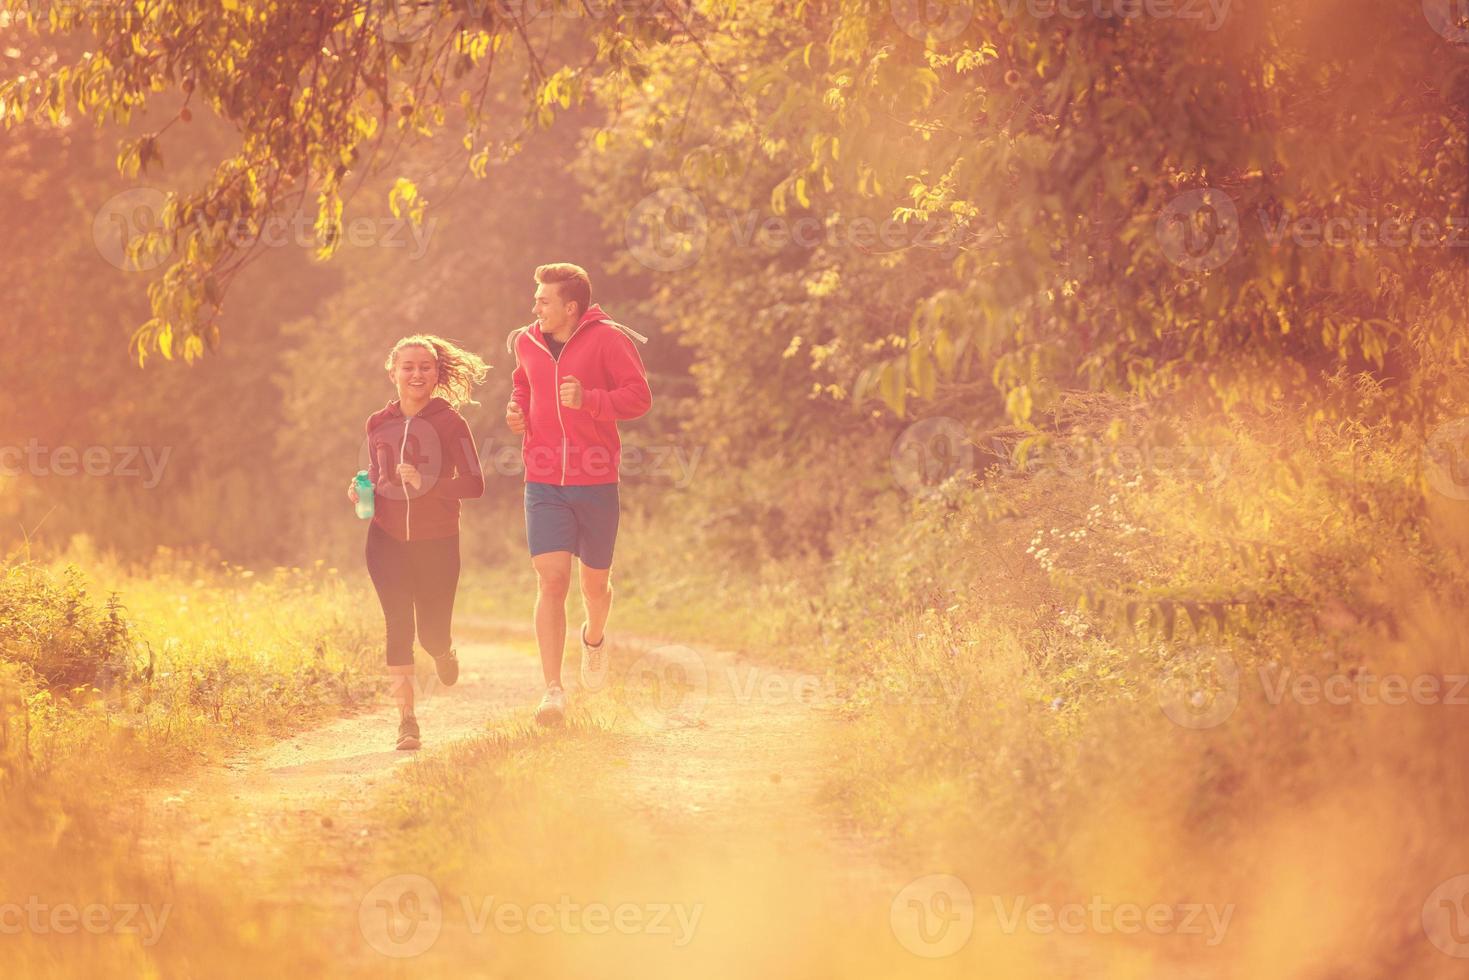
(863, 211)
(52, 626)
(316, 91)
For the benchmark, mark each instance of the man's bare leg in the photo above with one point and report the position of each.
(596, 595)
(553, 581)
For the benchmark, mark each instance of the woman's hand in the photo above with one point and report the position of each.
(409, 474)
(352, 491)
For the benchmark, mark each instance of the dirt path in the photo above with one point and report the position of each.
(706, 772)
(318, 785)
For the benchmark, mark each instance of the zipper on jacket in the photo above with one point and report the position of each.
(556, 369)
(407, 504)
(565, 443)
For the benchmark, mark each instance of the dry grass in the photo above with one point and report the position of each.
(1245, 758)
(184, 663)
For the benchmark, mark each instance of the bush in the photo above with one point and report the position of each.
(50, 625)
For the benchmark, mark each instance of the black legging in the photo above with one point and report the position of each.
(411, 576)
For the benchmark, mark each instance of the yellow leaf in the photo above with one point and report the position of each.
(1018, 403)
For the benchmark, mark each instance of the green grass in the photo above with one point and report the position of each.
(992, 725)
(998, 728)
(114, 681)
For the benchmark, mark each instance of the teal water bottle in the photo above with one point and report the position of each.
(364, 495)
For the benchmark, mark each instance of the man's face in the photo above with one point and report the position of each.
(557, 315)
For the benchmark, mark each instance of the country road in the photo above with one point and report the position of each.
(683, 807)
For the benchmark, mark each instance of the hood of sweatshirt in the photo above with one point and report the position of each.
(593, 314)
(435, 406)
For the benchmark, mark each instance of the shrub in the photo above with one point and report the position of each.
(49, 624)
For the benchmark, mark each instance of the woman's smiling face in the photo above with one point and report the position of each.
(416, 373)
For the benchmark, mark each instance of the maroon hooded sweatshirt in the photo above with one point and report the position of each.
(437, 441)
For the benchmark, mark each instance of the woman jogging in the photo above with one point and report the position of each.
(423, 462)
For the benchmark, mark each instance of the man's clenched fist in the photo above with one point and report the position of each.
(570, 392)
(514, 418)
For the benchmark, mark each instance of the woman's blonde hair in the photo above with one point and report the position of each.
(459, 370)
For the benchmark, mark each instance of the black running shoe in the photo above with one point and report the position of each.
(447, 667)
(408, 736)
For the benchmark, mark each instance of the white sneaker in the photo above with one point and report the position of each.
(552, 709)
(593, 662)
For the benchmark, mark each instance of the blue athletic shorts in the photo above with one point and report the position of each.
(581, 520)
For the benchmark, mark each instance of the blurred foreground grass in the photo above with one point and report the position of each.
(1226, 679)
(115, 681)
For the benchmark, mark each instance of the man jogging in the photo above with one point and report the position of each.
(576, 375)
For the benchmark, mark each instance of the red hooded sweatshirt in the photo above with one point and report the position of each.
(438, 442)
(577, 446)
